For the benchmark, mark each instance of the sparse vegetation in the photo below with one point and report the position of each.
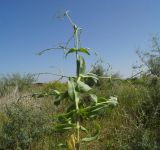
(15, 82)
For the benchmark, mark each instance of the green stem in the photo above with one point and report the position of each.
(77, 106)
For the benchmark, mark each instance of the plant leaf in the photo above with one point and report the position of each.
(84, 50)
(71, 50)
(90, 75)
(83, 87)
(60, 97)
(62, 127)
(111, 101)
(81, 66)
(76, 97)
(56, 92)
(83, 129)
(66, 116)
(94, 77)
(71, 88)
(94, 98)
(93, 137)
(92, 111)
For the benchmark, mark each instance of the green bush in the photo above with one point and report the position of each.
(25, 127)
(150, 59)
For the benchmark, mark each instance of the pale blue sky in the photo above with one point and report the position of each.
(114, 28)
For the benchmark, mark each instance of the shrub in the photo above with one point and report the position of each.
(16, 81)
(150, 60)
(25, 127)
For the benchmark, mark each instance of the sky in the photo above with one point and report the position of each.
(113, 28)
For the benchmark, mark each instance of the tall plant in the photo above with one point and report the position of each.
(78, 109)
